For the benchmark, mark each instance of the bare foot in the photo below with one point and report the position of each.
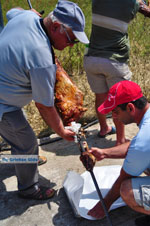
(104, 131)
(97, 211)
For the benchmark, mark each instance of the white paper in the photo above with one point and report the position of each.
(81, 190)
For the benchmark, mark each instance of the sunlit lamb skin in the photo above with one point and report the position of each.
(68, 98)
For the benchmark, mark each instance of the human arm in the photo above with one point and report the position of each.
(52, 119)
(113, 194)
(17, 10)
(119, 151)
(33, 10)
(88, 158)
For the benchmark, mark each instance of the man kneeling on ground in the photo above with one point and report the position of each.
(128, 105)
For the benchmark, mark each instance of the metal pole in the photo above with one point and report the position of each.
(101, 197)
(29, 3)
(83, 149)
(30, 6)
(1, 18)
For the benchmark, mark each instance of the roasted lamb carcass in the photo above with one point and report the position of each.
(68, 98)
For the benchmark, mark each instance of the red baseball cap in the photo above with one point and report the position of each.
(120, 93)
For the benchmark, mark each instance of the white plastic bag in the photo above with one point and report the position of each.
(81, 190)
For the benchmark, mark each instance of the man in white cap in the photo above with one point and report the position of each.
(28, 72)
(128, 105)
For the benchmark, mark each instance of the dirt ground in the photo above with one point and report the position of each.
(62, 157)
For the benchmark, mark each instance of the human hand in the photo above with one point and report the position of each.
(88, 160)
(97, 211)
(98, 153)
(33, 10)
(68, 135)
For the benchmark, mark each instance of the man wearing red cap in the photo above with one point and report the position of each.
(128, 105)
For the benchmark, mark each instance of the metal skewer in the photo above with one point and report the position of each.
(30, 6)
(82, 149)
(29, 3)
(101, 197)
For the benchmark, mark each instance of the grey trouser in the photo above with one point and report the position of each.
(17, 132)
(103, 73)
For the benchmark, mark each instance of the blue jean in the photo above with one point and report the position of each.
(17, 132)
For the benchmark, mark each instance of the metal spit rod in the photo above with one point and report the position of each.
(97, 188)
(29, 3)
(30, 6)
(101, 197)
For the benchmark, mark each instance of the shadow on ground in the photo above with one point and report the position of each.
(10, 203)
(123, 216)
(73, 148)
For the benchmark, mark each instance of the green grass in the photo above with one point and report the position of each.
(72, 58)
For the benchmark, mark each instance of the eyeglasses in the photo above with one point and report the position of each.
(69, 39)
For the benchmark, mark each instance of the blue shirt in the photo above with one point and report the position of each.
(138, 156)
(27, 71)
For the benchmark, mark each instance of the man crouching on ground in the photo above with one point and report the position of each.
(128, 105)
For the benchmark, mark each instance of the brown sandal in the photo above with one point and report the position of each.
(42, 193)
(42, 160)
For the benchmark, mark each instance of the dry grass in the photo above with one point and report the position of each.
(141, 73)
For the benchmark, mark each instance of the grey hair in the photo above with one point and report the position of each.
(54, 18)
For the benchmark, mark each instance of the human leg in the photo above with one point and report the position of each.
(97, 81)
(117, 72)
(102, 74)
(135, 193)
(5, 147)
(41, 159)
(104, 128)
(15, 129)
(120, 132)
